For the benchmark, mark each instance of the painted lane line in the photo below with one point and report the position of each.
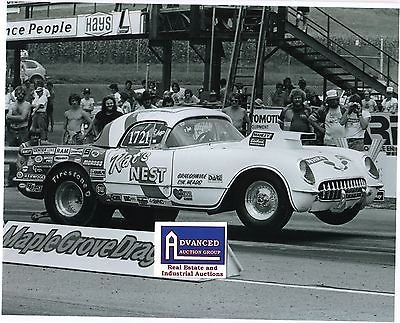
(323, 288)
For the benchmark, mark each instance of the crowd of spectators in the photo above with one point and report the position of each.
(29, 109)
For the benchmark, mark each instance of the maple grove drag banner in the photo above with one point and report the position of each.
(89, 249)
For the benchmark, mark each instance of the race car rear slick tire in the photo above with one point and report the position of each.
(139, 218)
(263, 203)
(69, 198)
(333, 218)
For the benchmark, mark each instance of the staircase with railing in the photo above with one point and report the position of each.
(317, 49)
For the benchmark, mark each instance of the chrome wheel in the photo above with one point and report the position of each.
(261, 200)
(68, 199)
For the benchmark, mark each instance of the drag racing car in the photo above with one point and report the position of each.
(152, 163)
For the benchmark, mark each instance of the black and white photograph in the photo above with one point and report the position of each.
(200, 161)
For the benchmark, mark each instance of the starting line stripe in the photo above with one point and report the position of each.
(323, 288)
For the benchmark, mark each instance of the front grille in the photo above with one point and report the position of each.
(331, 190)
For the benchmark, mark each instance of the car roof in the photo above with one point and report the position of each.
(112, 132)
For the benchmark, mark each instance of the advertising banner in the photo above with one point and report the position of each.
(70, 247)
(93, 25)
(194, 251)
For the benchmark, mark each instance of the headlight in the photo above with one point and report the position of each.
(371, 168)
(308, 175)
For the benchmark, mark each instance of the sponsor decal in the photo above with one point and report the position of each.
(37, 169)
(380, 196)
(19, 175)
(195, 251)
(24, 168)
(61, 158)
(344, 161)
(100, 189)
(116, 197)
(182, 194)
(39, 177)
(257, 142)
(62, 150)
(120, 161)
(129, 199)
(39, 159)
(265, 118)
(43, 150)
(162, 202)
(48, 159)
(95, 153)
(76, 151)
(21, 185)
(215, 178)
(97, 172)
(86, 152)
(191, 178)
(262, 135)
(89, 162)
(78, 160)
(98, 24)
(142, 200)
(81, 248)
(26, 151)
(33, 187)
(314, 160)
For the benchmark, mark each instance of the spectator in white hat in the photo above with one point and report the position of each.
(326, 120)
(389, 104)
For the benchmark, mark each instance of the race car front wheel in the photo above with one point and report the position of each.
(69, 198)
(263, 203)
(338, 218)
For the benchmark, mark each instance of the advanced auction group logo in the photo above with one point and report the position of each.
(190, 250)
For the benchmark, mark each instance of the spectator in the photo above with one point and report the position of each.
(369, 104)
(153, 91)
(17, 118)
(242, 94)
(278, 97)
(115, 92)
(189, 98)
(315, 101)
(9, 97)
(301, 15)
(389, 104)
(50, 106)
(303, 86)
(107, 114)
(239, 116)
(178, 93)
(166, 94)
(39, 117)
(287, 87)
(295, 116)
(139, 91)
(28, 90)
(126, 106)
(146, 102)
(326, 120)
(87, 102)
(356, 120)
(74, 120)
(167, 102)
(131, 93)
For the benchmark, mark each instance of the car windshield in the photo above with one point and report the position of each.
(202, 130)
